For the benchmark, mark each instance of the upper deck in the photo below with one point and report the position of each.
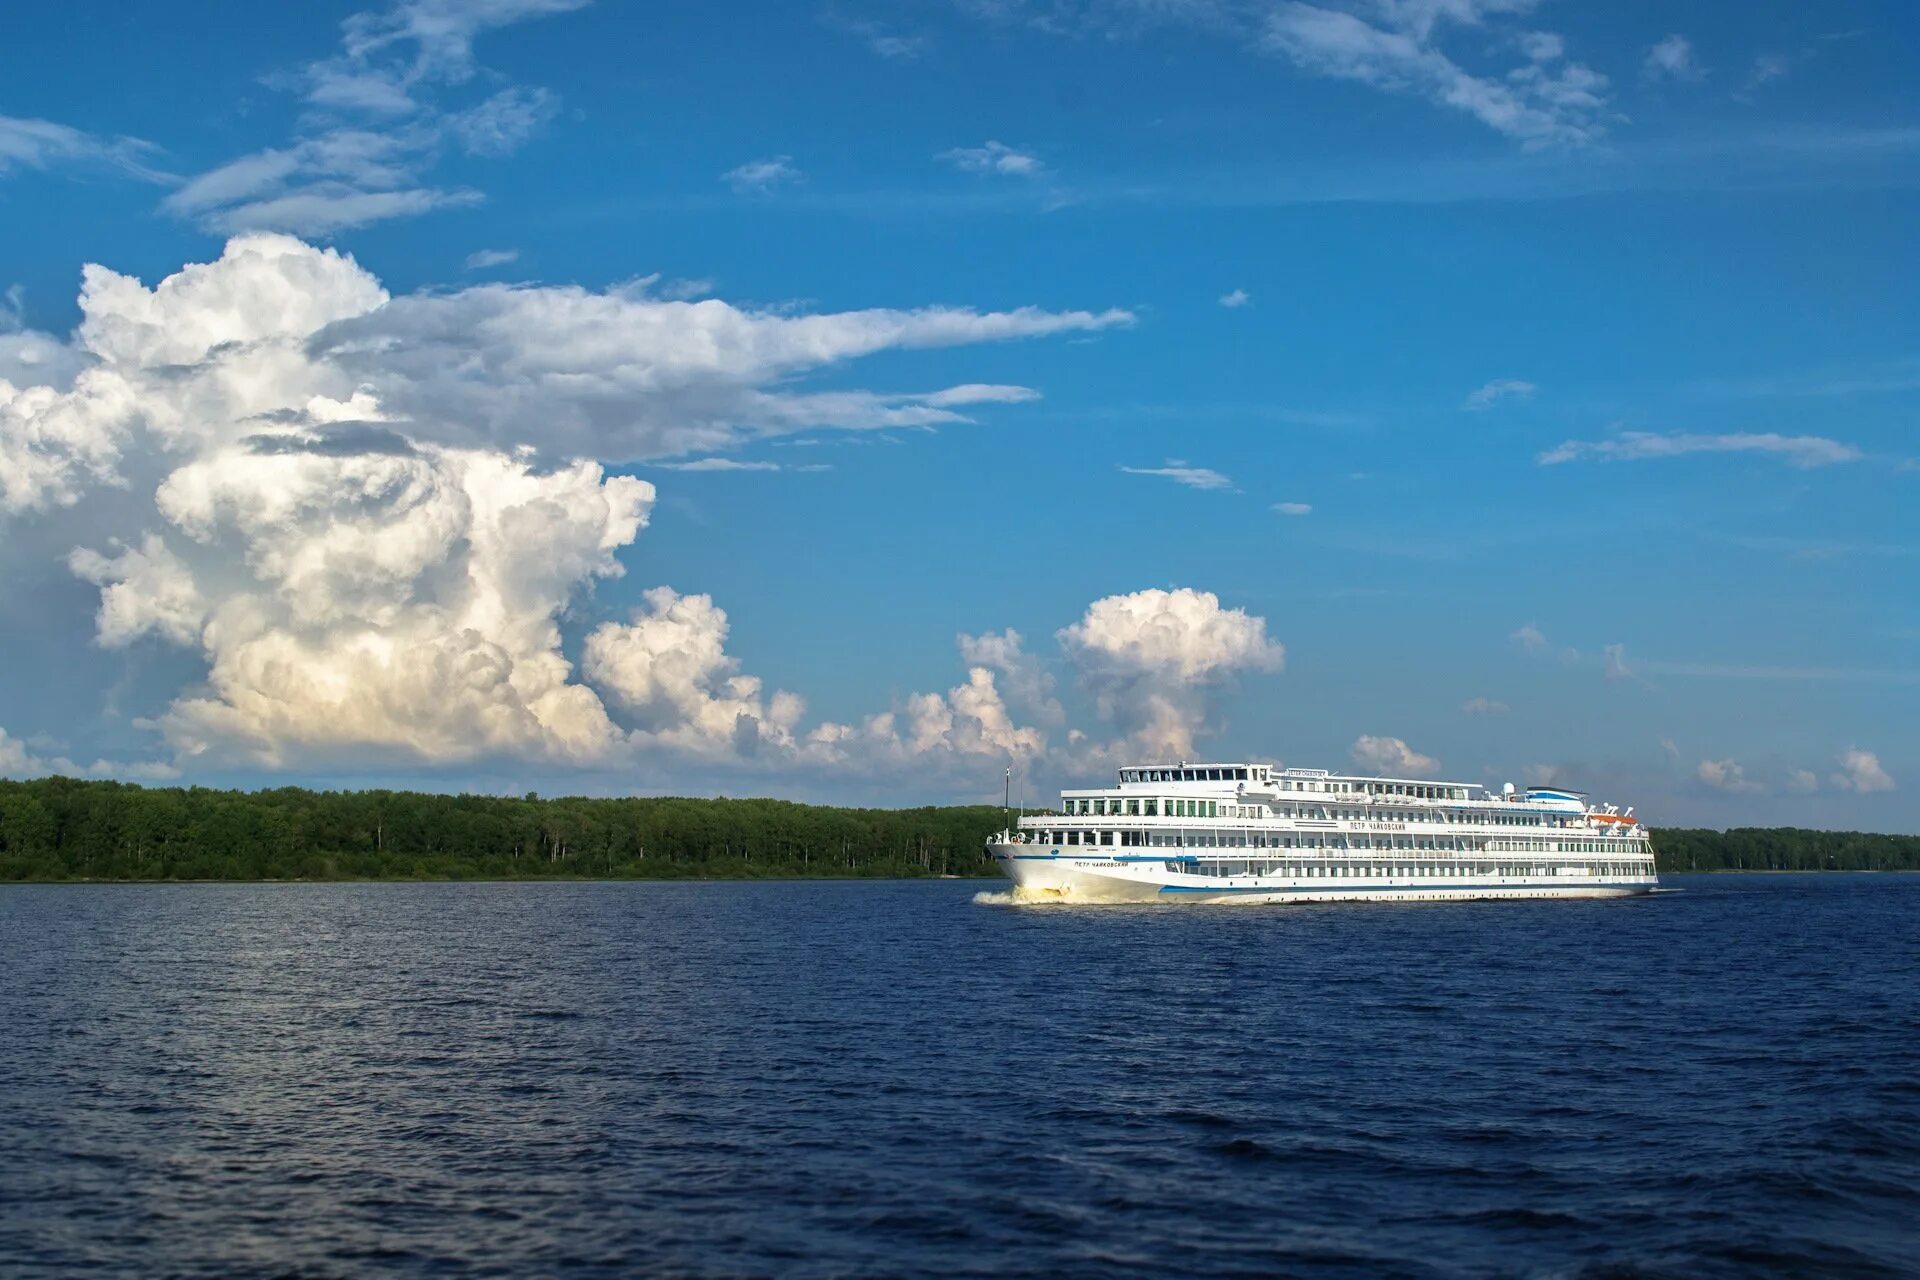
(1262, 782)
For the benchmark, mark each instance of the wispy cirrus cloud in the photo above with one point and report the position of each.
(1177, 470)
(1497, 390)
(27, 143)
(1634, 446)
(1395, 47)
(381, 114)
(482, 259)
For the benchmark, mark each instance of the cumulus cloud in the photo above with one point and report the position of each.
(1395, 47)
(668, 669)
(761, 175)
(1633, 446)
(1860, 771)
(19, 760)
(275, 325)
(994, 158)
(1029, 684)
(1802, 781)
(1725, 775)
(1179, 472)
(1484, 707)
(1150, 657)
(1529, 637)
(1235, 299)
(1497, 390)
(333, 497)
(143, 589)
(1392, 758)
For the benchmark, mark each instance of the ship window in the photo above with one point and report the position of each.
(1133, 808)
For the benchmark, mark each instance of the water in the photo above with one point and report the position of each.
(888, 1078)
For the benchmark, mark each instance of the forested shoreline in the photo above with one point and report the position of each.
(56, 829)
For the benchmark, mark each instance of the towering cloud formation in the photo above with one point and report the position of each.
(1149, 659)
(335, 497)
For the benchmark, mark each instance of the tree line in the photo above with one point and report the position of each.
(64, 829)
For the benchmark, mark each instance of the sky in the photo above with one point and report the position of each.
(850, 402)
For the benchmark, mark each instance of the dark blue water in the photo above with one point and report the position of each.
(887, 1078)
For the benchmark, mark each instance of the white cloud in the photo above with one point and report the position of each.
(481, 259)
(1725, 775)
(1802, 781)
(42, 144)
(1630, 446)
(995, 158)
(881, 39)
(1543, 102)
(978, 393)
(1671, 59)
(18, 760)
(1544, 775)
(1392, 758)
(1529, 637)
(1860, 771)
(380, 118)
(1179, 472)
(333, 497)
(669, 670)
(1235, 299)
(1484, 707)
(1767, 68)
(761, 175)
(718, 464)
(143, 589)
(1614, 658)
(1497, 390)
(1028, 683)
(1148, 659)
(1294, 508)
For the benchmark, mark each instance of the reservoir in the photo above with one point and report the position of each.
(888, 1077)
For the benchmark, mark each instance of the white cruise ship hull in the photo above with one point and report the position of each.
(1041, 875)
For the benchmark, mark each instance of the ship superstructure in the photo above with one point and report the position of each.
(1256, 832)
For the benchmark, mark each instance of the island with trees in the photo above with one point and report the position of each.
(55, 829)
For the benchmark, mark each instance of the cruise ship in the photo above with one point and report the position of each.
(1260, 833)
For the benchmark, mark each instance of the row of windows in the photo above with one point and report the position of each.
(1151, 807)
(1177, 807)
(1215, 773)
(1407, 871)
(1228, 839)
(1241, 773)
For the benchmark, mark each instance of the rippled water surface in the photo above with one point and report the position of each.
(889, 1078)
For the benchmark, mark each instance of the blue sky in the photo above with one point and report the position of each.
(1474, 387)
